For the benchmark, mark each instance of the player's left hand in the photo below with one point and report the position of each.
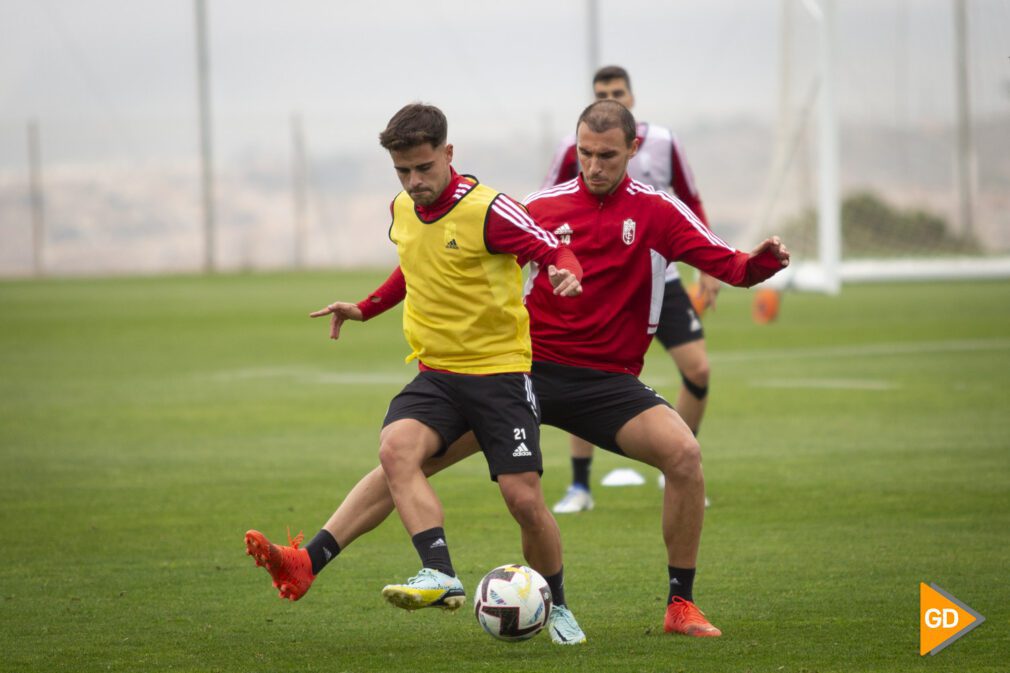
(339, 311)
(564, 282)
(774, 246)
(708, 291)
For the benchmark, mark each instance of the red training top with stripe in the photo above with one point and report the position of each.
(624, 241)
(508, 230)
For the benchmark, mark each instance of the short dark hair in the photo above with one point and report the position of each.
(609, 72)
(415, 124)
(607, 114)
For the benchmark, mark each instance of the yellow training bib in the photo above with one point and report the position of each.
(463, 311)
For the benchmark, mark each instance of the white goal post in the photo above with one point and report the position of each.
(825, 268)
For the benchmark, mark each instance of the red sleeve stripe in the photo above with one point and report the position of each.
(685, 170)
(520, 218)
(555, 169)
(554, 174)
(638, 187)
(569, 187)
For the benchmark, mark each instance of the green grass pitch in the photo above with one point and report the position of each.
(853, 449)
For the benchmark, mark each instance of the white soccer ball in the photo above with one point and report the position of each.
(513, 602)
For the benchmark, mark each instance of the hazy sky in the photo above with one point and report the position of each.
(107, 76)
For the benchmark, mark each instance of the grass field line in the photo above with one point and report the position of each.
(826, 384)
(307, 375)
(799, 384)
(864, 350)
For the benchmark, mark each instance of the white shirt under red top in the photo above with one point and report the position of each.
(624, 241)
(659, 163)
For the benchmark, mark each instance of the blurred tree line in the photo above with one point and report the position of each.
(871, 227)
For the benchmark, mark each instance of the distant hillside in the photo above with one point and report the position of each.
(119, 219)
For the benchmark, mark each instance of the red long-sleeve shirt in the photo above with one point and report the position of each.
(624, 242)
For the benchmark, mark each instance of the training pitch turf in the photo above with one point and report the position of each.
(855, 448)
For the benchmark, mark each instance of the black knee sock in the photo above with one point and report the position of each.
(431, 547)
(322, 549)
(580, 471)
(557, 584)
(681, 583)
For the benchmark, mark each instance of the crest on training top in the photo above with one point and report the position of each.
(628, 235)
(564, 233)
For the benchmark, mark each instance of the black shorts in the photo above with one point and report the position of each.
(678, 323)
(589, 403)
(501, 409)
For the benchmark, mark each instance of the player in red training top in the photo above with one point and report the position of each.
(585, 366)
(660, 163)
(587, 356)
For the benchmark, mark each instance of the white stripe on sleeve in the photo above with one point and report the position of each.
(639, 188)
(569, 187)
(520, 218)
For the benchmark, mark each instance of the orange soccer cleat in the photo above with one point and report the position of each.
(290, 567)
(684, 617)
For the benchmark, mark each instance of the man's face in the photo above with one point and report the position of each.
(604, 157)
(423, 171)
(614, 89)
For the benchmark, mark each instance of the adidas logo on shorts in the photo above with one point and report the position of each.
(695, 323)
(521, 451)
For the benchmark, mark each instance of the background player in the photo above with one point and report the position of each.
(659, 162)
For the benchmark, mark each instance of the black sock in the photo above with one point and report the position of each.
(322, 549)
(431, 547)
(580, 472)
(557, 584)
(681, 583)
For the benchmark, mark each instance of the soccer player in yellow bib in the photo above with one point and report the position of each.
(461, 247)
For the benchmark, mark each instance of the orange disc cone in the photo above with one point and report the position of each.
(694, 294)
(766, 304)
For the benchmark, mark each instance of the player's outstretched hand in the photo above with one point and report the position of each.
(708, 292)
(774, 246)
(564, 282)
(338, 311)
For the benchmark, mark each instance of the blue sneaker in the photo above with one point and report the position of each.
(563, 627)
(428, 589)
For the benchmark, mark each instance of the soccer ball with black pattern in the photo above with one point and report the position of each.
(512, 602)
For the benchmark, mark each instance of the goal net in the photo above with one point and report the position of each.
(920, 197)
